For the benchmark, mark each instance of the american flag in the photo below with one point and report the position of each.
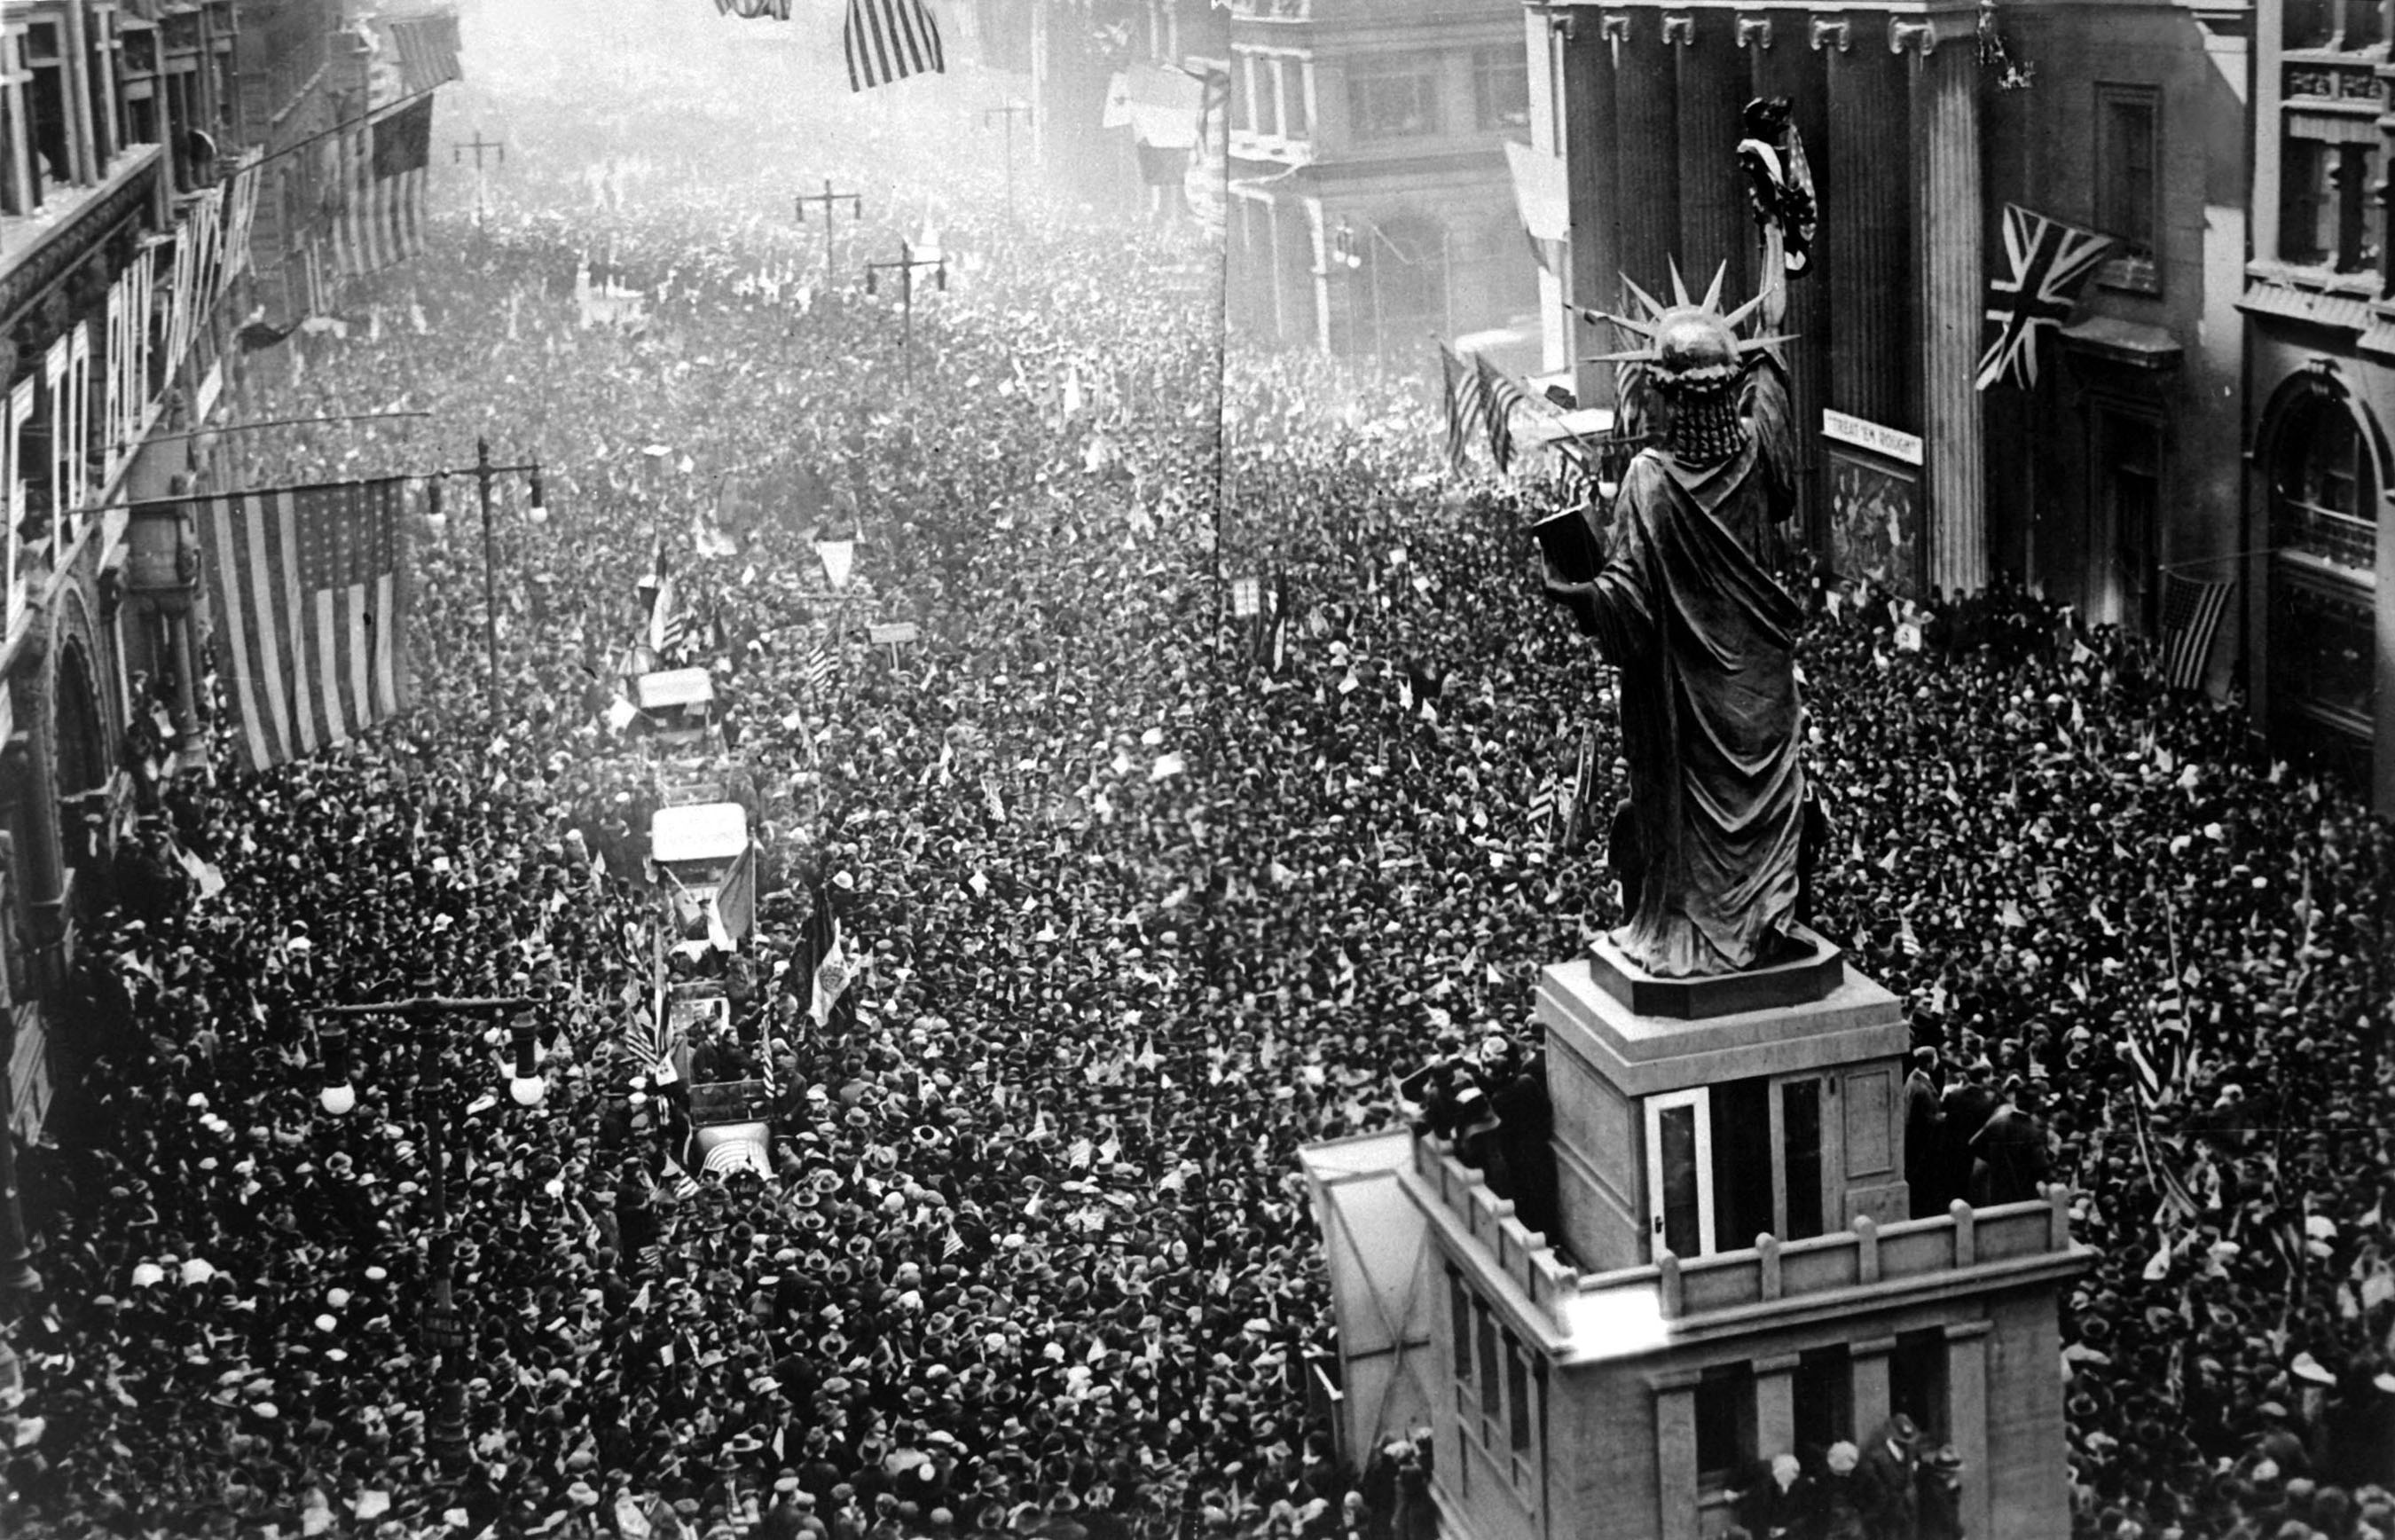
(240, 215)
(1499, 398)
(2046, 262)
(2192, 612)
(311, 605)
(1463, 407)
(380, 213)
(888, 40)
(428, 52)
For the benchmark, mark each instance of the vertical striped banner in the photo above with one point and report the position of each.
(2191, 618)
(309, 593)
(383, 172)
(888, 40)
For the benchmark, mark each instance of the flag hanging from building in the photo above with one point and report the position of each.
(1463, 407)
(2045, 263)
(2191, 618)
(888, 40)
(1543, 200)
(755, 10)
(311, 596)
(380, 222)
(240, 215)
(427, 47)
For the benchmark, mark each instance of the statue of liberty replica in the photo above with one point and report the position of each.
(1685, 604)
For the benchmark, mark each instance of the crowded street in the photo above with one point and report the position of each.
(1137, 892)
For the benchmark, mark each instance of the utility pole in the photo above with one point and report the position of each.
(829, 199)
(484, 473)
(905, 266)
(480, 146)
(1009, 112)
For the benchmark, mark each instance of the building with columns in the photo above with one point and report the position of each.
(1371, 207)
(1918, 132)
(2317, 544)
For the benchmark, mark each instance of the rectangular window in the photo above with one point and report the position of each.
(1517, 1395)
(1916, 1382)
(2307, 202)
(1823, 1391)
(1393, 95)
(1295, 121)
(1725, 1423)
(1800, 1156)
(1679, 1158)
(1492, 1371)
(1501, 89)
(47, 123)
(2127, 178)
(1459, 1315)
(1742, 1163)
(1243, 95)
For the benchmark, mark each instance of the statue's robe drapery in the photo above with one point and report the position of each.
(1712, 724)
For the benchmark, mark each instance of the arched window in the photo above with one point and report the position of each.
(2324, 485)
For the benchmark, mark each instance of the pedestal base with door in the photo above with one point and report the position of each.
(1735, 1279)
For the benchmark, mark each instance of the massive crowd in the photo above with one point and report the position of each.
(1146, 899)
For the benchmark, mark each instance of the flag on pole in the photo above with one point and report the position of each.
(2191, 618)
(2046, 262)
(311, 600)
(888, 40)
(381, 210)
(427, 47)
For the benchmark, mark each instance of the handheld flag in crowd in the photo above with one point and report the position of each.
(2046, 264)
(888, 40)
(311, 596)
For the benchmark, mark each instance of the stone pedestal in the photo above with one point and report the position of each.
(1618, 1037)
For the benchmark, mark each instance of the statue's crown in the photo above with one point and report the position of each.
(1693, 348)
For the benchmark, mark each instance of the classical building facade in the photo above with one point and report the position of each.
(1371, 206)
(1921, 121)
(2318, 539)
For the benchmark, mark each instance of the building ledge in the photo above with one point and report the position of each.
(37, 249)
(2131, 344)
(2334, 301)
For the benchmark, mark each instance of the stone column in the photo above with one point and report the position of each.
(1592, 180)
(1867, 253)
(1775, 1405)
(1868, 1361)
(1967, 1411)
(1675, 1454)
(1710, 74)
(1946, 110)
(1646, 149)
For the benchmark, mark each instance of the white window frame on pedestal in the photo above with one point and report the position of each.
(1700, 1104)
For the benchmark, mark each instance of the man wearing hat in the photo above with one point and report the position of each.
(1888, 1480)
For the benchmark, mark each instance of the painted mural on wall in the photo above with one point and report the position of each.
(1874, 521)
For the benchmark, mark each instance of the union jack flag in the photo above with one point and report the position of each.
(2049, 261)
